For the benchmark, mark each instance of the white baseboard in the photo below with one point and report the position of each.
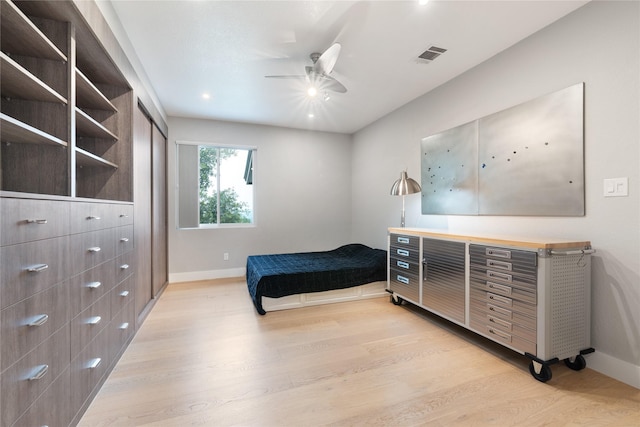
(193, 276)
(625, 372)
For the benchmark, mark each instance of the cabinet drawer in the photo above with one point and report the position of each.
(508, 290)
(502, 301)
(50, 409)
(124, 266)
(88, 324)
(88, 368)
(122, 295)
(515, 256)
(28, 323)
(399, 264)
(504, 313)
(404, 241)
(91, 216)
(481, 272)
(121, 329)
(89, 286)
(122, 213)
(26, 220)
(28, 378)
(405, 253)
(92, 248)
(406, 285)
(502, 337)
(124, 239)
(511, 326)
(29, 268)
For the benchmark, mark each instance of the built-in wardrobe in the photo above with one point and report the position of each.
(82, 208)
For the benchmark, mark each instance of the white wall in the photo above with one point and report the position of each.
(302, 197)
(599, 44)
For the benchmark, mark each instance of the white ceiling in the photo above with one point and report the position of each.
(225, 48)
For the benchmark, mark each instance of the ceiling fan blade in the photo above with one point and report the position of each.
(326, 61)
(329, 83)
(287, 77)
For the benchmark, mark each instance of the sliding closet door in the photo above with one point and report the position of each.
(142, 210)
(159, 273)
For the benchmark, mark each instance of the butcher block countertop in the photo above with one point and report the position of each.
(512, 241)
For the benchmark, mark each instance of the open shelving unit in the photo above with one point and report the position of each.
(66, 109)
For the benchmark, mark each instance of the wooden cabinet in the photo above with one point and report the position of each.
(67, 238)
(66, 296)
(532, 296)
(150, 192)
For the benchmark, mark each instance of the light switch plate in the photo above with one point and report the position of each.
(616, 187)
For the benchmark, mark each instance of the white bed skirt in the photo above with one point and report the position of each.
(369, 290)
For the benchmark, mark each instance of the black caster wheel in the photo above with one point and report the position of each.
(545, 372)
(396, 300)
(577, 364)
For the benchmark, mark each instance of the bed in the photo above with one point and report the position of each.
(354, 267)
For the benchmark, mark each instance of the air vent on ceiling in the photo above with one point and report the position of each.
(430, 54)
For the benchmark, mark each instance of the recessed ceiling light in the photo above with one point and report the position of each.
(311, 115)
(423, 2)
(206, 96)
(312, 91)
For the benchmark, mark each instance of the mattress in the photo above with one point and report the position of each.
(280, 275)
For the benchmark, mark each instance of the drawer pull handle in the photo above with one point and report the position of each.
(93, 218)
(499, 264)
(500, 253)
(124, 239)
(499, 334)
(402, 279)
(499, 288)
(39, 321)
(499, 322)
(94, 363)
(403, 264)
(94, 285)
(124, 216)
(496, 275)
(36, 221)
(37, 268)
(124, 294)
(124, 266)
(402, 252)
(94, 249)
(94, 320)
(40, 372)
(403, 240)
(124, 326)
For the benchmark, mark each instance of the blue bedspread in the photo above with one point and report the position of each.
(279, 275)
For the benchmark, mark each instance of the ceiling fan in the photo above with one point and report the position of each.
(318, 73)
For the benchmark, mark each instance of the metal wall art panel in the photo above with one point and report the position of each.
(531, 157)
(449, 172)
(525, 160)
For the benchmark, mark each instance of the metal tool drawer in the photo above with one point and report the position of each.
(405, 265)
(406, 285)
(405, 241)
(507, 290)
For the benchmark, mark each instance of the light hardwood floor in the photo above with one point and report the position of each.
(205, 357)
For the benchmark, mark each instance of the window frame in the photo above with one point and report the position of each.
(218, 225)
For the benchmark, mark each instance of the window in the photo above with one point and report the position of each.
(215, 185)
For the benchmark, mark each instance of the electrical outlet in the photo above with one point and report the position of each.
(226, 256)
